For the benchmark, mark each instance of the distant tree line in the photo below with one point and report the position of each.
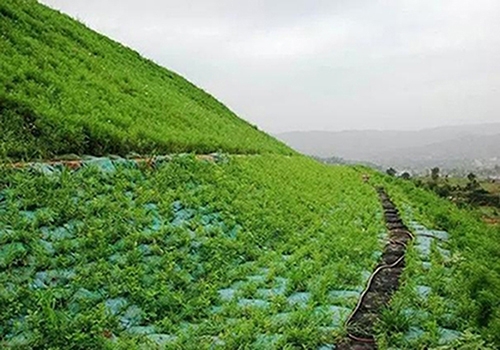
(472, 193)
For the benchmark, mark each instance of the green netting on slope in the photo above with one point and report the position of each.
(428, 313)
(148, 256)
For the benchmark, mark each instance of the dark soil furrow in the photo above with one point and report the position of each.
(383, 283)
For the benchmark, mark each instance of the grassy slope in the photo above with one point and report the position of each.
(465, 286)
(66, 89)
(168, 240)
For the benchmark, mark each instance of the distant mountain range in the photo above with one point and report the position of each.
(452, 147)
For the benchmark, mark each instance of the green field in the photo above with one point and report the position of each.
(256, 247)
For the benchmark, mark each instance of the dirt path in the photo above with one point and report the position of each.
(383, 283)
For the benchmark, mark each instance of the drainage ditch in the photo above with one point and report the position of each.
(383, 283)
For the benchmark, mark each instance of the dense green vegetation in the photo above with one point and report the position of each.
(463, 274)
(269, 250)
(66, 89)
(250, 252)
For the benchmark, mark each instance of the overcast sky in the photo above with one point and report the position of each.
(321, 64)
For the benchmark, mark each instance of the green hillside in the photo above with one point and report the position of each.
(256, 252)
(462, 273)
(255, 247)
(65, 89)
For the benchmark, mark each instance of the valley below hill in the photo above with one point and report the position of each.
(457, 149)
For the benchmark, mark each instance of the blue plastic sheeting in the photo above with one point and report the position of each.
(153, 262)
(104, 164)
(446, 336)
(216, 309)
(115, 306)
(227, 294)
(45, 169)
(184, 217)
(217, 342)
(377, 255)
(20, 336)
(414, 334)
(62, 232)
(267, 341)
(281, 282)
(327, 347)
(156, 224)
(145, 249)
(337, 315)
(299, 299)
(52, 278)
(152, 207)
(177, 206)
(426, 265)
(425, 238)
(344, 294)
(415, 226)
(56, 234)
(442, 235)
(253, 303)
(423, 246)
(365, 275)
(181, 216)
(259, 279)
(28, 214)
(444, 252)
(132, 317)
(19, 325)
(424, 292)
(422, 230)
(48, 247)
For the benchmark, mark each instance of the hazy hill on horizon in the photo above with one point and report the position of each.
(449, 147)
